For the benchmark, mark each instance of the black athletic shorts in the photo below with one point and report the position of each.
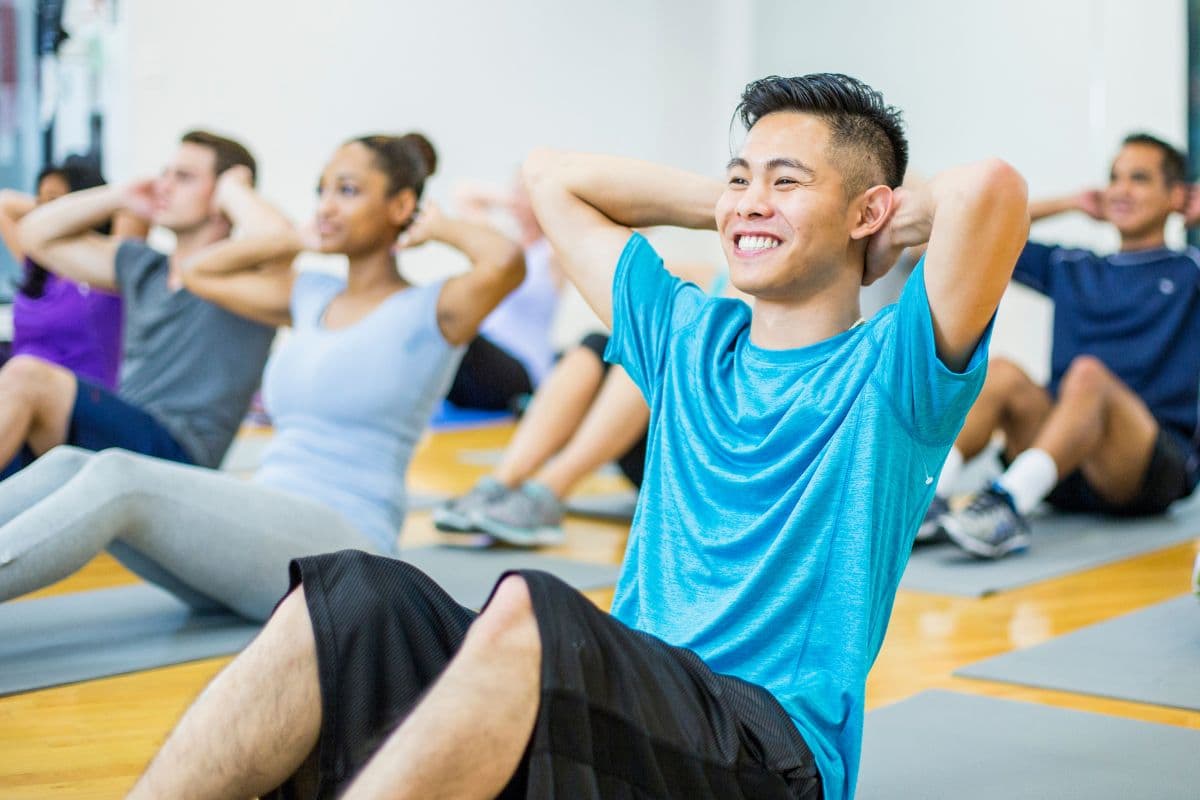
(1169, 477)
(633, 461)
(621, 714)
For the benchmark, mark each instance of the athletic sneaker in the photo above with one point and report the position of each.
(458, 515)
(528, 517)
(931, 529)
(990, 526)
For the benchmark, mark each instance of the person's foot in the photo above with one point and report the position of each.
(528, 517)
(989, 526)
(931, 529)
(458, 515)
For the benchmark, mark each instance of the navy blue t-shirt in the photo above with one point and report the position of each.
(1138, 312)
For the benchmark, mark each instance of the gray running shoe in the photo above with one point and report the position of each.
(528, 517)
(931, 529)
(989, 527)
(458, 515)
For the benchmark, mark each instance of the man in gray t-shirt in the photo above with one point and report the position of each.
(189, 367)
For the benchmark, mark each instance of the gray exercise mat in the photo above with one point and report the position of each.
(942, 745)
(76, 637)
(1148, 656)
(1062, 544)
(616, 506)
(87, 635)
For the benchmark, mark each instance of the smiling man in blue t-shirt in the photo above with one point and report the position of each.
(1115, 431)
(791, 452)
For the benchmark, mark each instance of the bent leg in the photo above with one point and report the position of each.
(1100, 426)
(554, 414)
(1010, 402)
(614, 423)
(223, 538)
(36, 398)
(253, 726)
(467, 736)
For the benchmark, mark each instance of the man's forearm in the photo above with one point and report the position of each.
(250, 213)
(69, 216)
(633, 193)
(1050, 207)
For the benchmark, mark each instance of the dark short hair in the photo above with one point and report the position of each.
(406, 160)
(866, 134)
(1174, 162)
(228, 152)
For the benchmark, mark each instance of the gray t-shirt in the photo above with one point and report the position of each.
(190, 364)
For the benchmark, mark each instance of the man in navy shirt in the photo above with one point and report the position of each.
(1115, 430)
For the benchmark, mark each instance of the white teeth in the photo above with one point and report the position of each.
(757, 243)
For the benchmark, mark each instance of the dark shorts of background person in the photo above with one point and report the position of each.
(489, 378)
(1170, 476)
(621, 713)
(633, 461)
(100, 420)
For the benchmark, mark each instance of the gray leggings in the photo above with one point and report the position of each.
(210, 538)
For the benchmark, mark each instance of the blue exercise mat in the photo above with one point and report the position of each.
(941, 745)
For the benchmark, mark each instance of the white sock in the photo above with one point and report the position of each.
(950, 472)
(1029, 479)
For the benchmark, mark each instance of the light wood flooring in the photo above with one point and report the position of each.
(91, 740)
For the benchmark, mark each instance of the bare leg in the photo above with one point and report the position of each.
(1009, 401)
(467, 737)
(557, 408)
(614, 423)
(253, 725)
(36, 398)
(1100, 426)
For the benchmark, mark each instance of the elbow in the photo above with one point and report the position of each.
(30, 238)
(540, 167)
(1002, 184)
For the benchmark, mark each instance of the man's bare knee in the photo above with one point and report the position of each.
(1085, 377)
(508, 620)
(24, 378)
(1005, 377)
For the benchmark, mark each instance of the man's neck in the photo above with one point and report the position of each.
(1150, 241)
(187, 244)
(786, 325)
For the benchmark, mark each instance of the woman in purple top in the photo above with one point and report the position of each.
(63, 322)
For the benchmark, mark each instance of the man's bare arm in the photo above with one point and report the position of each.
(975, 219)
(588, 204)
(59, 235)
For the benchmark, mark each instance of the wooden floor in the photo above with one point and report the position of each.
(91, 740)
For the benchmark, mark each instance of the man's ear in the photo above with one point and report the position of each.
(872, 212)
(1180, 193)
(401, 207)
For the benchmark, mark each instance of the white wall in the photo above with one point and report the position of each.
(1050, 86)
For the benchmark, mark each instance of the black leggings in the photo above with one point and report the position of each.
(489, 378)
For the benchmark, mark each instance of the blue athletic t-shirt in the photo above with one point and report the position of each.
(783, 490)
(1138, 312)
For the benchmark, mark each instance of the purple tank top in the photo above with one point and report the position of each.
(71, 325)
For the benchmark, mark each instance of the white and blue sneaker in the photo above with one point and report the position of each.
(989, 526)
(931, 529)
